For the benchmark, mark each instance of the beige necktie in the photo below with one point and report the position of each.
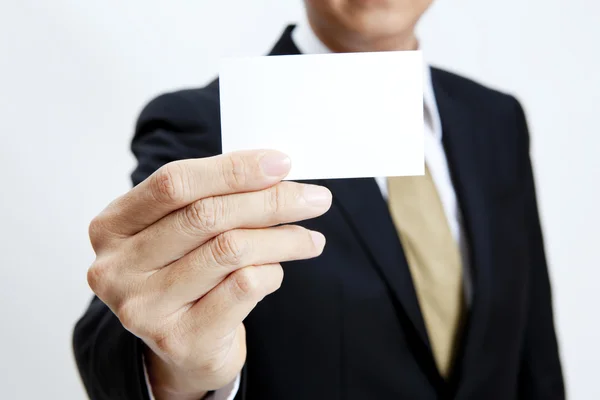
(434, 260)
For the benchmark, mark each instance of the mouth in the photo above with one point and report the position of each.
(367, 3)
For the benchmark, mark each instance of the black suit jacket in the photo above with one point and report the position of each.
(347, 325)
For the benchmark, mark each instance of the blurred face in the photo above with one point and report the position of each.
(366, 25)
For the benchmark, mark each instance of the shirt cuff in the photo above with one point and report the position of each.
(227, 392)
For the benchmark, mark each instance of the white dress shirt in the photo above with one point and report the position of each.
(435, 157)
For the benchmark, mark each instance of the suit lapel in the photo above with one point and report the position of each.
(366, 211)
(285, 45)
(463, 136)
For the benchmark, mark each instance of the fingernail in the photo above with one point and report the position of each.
(318, 239)
(275, 163)
(317, 195)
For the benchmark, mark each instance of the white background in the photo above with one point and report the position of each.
(74, 74)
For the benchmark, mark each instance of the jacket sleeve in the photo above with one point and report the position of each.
(540, 375)
(171, 127)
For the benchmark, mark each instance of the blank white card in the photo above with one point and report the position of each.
(336, 115)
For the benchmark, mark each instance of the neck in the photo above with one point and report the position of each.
(350, 42)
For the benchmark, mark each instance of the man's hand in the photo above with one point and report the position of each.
(183, 257)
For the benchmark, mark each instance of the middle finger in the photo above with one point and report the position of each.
(182, 231)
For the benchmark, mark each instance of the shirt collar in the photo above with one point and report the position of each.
(308, 43)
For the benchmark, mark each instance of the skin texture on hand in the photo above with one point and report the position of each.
(182, 259)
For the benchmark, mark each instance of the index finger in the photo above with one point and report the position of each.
(179, 183)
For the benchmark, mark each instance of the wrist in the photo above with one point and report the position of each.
(168, 384)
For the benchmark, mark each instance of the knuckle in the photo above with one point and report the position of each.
(130, 315)
(245, 284)
(275, 199)
(98, 277)
(228, 249)
(98, 233)
(169, 184)
(171, 346)
(204, 215)
(235, 172)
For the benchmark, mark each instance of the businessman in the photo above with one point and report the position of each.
(431, 287)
